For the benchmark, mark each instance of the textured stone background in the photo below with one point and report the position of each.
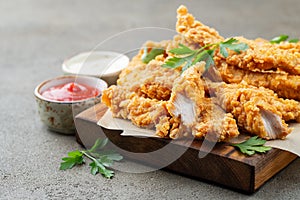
(37, 35)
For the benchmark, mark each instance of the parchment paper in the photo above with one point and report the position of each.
(291, 143)
(109, 122)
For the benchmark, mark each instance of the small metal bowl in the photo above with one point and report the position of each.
(58, 116)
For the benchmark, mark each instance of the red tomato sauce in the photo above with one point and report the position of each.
(70, 92)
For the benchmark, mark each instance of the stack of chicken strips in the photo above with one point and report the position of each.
(256, 91)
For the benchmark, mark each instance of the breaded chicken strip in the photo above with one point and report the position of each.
(117, 99)
(194, 30)
(140, 93)
(143, 112)
(149, 80)
(198, 114)
(136, 61)
(257, 110)
(286, 86)
(264, 56)
(292, 47)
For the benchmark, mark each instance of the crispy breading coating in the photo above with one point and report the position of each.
(117, 99)
(139, 96)
(292, 47)
(264, 56)
(136, 61)
(142, 112)
(149, 80)
(156, 91)
(257, 110)
(286, 86)
(194, 30)
(214, 123)
(198, 114)
(145, 112)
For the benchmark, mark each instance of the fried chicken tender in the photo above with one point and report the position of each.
(198, 114)
(264, 56)
(149, 80)
(194, 30)
(117, 99)
(137, 62)
(141, 95)
(257, 110)
(286, 86)
(292, 47)
(142, 112)
(145, 112)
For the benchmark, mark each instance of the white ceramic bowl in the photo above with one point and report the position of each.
(59, 115)
(106, 65)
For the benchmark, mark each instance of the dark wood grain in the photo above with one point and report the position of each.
(222, 165)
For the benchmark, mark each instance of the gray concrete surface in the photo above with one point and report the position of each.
(37, 35)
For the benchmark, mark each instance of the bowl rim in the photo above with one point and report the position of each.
(38, 95)
(65, 69)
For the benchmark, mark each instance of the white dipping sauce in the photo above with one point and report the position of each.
(97, 63)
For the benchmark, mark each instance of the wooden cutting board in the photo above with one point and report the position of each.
(224, 165)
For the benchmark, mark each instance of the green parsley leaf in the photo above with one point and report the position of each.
(74, 153)
(237, 47)
(174, 62)
(99, 144)
(223, 51)
(147, 57)
(100, 159)
(97, 167)
(209, 62)
(75, 158)
(94, 168)
(252, 145)
(295, 40)
(207, 56)
(283, 38)
(278, 39)
(232, 44)
(188, 62)
(111, 155)
(107, 162)
(182, 50)
(230, 41)
(189, 57)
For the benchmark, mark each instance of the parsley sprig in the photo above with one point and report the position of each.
(283, 38)
(188, 57)
(148, 56)
(252, 145)
(101, 159)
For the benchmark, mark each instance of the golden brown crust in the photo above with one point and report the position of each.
(254, 107)
(145, 112)
(198, 114)
(264, 56)
(194, 30)
(286, 86)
